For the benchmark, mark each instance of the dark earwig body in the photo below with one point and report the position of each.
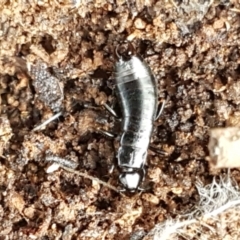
(136, 91)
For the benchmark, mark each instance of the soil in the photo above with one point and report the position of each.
(58, 56)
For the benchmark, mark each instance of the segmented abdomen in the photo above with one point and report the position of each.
(137, 92)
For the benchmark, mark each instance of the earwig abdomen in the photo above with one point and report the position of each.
(136, 91)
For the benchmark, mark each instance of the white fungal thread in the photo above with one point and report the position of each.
(215, 199)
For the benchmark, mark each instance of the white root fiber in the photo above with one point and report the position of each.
(216, 214)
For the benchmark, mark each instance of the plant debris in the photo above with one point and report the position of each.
(224, 147)
(48, 87)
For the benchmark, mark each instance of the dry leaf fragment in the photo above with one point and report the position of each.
(224, 146)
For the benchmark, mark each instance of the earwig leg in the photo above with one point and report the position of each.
(122, 190)
(160, 110)
(106, 133)
(110, 84)
(111, 169)
(145, 188)
(39, 127)
(110, 110)
(142, 189)
(143, 174)
(90, 106)
(158, 151)
(97, 108)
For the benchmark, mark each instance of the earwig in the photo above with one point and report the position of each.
(137, 94)
(136, 91)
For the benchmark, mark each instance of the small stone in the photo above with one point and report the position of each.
(177, 190)
(218, 24)
(139, 23)
(151, 198)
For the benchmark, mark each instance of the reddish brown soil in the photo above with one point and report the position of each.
(59, 55)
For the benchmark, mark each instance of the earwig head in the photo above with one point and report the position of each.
(124, 51)
(131, 180)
